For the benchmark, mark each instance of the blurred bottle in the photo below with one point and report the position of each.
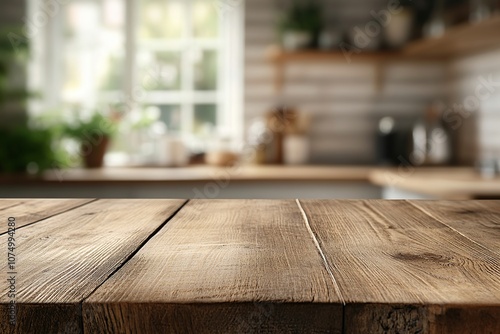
(480, 10)
(386, 138)
(277, 121)
(437, 23)
(296, 148)
(439, 150)
(431, 144)
(257, 139)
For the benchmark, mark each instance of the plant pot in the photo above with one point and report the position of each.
(296, 40)
(93, 152)
(400, 28)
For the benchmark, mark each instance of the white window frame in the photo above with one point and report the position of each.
(47, 45)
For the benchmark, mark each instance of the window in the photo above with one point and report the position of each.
(182, 57)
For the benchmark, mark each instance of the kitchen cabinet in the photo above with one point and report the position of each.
(239, 266)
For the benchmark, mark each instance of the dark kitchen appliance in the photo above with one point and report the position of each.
(392, 142)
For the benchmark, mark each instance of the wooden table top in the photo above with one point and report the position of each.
(259, 266)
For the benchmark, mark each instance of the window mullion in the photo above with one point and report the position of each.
(55, 61)
(131, 83)
(187, 71)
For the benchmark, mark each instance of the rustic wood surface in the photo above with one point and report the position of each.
(219, 252)
(29, 211)
(61, 260)
(398, 259)
(476, 220)
(7, 203)
(253, 266)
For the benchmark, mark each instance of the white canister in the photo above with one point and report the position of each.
(296, 149)
(399, 29)
(174, 152)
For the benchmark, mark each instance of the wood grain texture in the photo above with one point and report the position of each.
(253, 266)
(249, 253)
(476, 220)
(30, 211)
(393, 318)
(199, 317)
(41, 318)
(61, 260)
(7, 203)
(392, 253)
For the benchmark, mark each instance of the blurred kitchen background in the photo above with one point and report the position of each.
(258, 98)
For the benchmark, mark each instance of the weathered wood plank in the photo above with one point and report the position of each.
(477, 220)
(7, 203)
(221, 266)
(394, 318)
(61, 260)
(393, 262)
(30, 211)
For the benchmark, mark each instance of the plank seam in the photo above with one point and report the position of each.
(158, 229)
(51, 216)
(452, 228)
(321, 253)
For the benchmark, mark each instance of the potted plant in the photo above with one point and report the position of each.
(29, 149)
(25, 147)
(94, 135)
(301, 24)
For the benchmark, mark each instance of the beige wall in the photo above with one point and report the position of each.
(12, 12)
(342, 99)
(479, 129)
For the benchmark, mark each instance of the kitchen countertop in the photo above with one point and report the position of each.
(449, 183)
(200, 173)
(442, 182)
(206, 266)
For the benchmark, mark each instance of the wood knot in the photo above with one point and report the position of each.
(422, 257)
(466, 212)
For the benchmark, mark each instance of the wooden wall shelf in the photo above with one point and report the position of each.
(280, 56)
(458, 41)
(281, 59)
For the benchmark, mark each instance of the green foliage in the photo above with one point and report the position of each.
(302, 15)
(14, 50)
(13, 43)
(24, 148)
(97, 125)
